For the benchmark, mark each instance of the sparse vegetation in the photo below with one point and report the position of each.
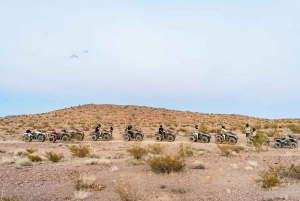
(227, 150)
(166, 163)
(53, 156)
(137, 151)
(85, 182)
(80, 151)
(11, 198)
(34, 158)
(156, 148)
(185, 150)
(274, 175)
(125, 191)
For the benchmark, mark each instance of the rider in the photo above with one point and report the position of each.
(224, 131)
(248, 131)
(111, 129)
(97, 129)
(161, 131)
(128, 130)
(195, 131)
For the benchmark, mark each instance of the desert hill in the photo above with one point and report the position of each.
(86, 117)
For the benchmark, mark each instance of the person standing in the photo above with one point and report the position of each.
(247, 131)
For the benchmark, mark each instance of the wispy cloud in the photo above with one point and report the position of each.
(74, 56)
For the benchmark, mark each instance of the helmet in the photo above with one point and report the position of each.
(99, 125)
(129, 126)
(160, 126)
(223, 127)
(254, 129)
(247, 125)
(196, 126)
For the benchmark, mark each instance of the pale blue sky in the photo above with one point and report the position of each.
(234, 57)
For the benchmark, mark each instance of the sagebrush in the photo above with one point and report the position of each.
(137, 151)
(80, 151)
(53, 156)
(166, 163)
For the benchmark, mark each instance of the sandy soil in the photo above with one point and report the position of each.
(224, 178)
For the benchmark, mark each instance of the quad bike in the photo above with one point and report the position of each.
(201, 136)
(169, 135)
(252, 142)
(104, 134)
(281, 142)
(136, 135)
(77, 134)
(62, 135)
(38, 135)
(230, 137)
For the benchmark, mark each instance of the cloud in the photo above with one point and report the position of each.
(74, 56)
(85, 51)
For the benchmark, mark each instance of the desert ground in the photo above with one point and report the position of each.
(112, 173)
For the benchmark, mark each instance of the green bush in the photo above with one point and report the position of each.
(259, 140)
(185, 150)
(80, 151)
(34, 158)
(166, 164)
(53, 156)
(137, 151)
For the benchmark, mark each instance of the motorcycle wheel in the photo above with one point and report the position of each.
(218, 140)
(27, 138)
(139, 138)
(94, 137)
(170, 138)
(51, 139)
(41, 138)
(232, 141)
(106, 137)
(126, 138)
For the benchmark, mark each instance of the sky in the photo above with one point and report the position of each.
(224, 57)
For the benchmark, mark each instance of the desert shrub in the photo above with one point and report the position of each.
(228, 149)
(34, 158)
(185, 150)
(23, 162)
(80, 151)
(198, 165)
(178, 190)
(294, 128)
(7, 160)
(11, 198)
(259, 140)
(203, 127)
(85, 182)
(125, 191)
(31, 151)
(166, 164)
(294, 171)
(21, 153)
(53, 156)
(274, 175)
(137, 151)
(156, 148)
(268, 179)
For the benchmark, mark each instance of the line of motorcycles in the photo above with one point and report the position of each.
(137, 135)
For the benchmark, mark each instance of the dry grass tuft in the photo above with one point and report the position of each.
(156, 148)
(31, 151)
(34, 158)
(80, 151)
(137, 151)
(185, 150)
(166, 164)
(53, 156)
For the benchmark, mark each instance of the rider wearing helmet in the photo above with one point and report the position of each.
(247, 131)
(97, 129)
(128, 130)
(161, 131)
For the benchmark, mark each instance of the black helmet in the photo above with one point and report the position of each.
(129, 126)
(223, 127)
(160, 126)
(99, 125)
(196, 126)
(247, 125)
(254, 129)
